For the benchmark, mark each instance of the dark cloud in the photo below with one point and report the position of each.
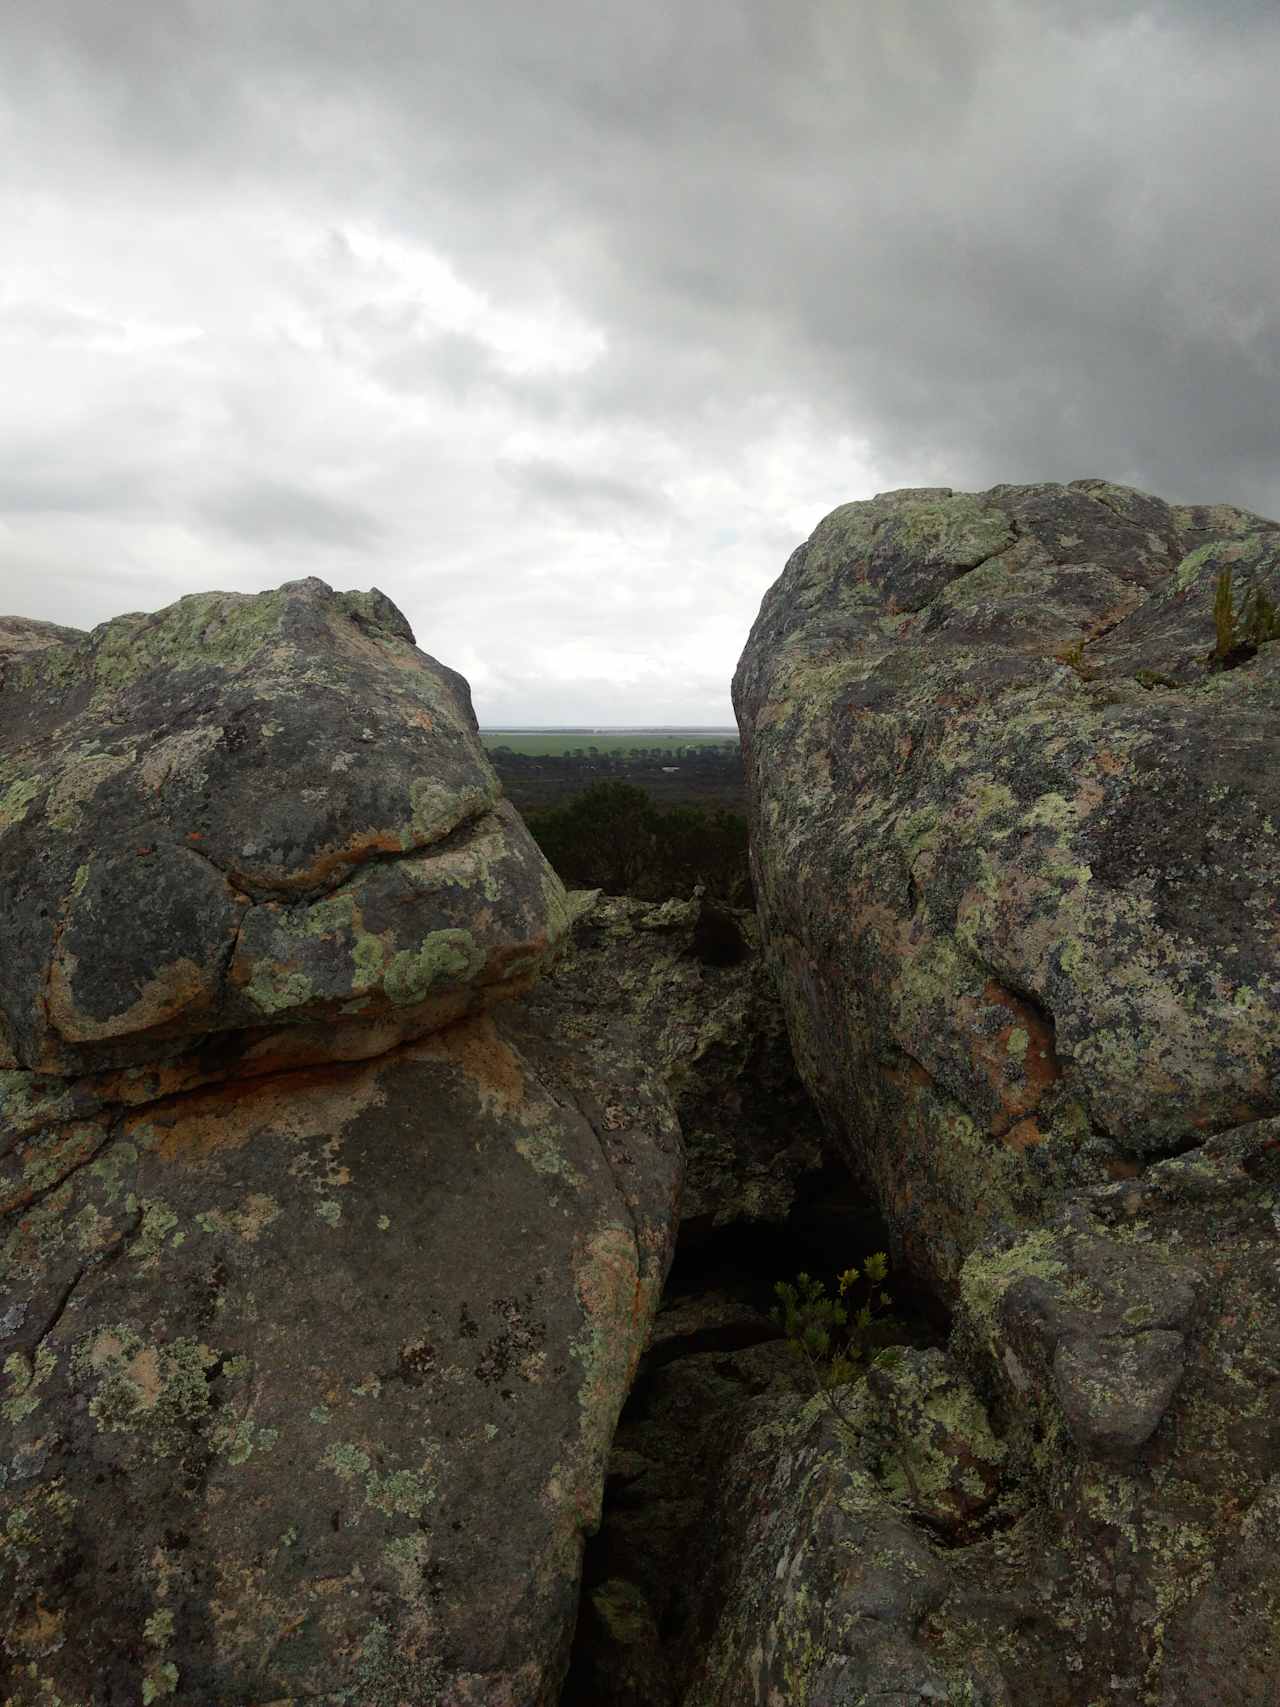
(566, 272)
(580, 493)
(265, 512)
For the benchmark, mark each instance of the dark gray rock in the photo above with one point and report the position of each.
(247, 812)
(690, 978)
(1016, 836)
(320, 1288)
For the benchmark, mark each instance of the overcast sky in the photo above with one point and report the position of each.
(563, 321)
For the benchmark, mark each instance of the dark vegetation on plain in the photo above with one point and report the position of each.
(613, 837)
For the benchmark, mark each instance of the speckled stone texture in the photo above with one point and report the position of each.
(321, 1285)
(1016, 834)
(243, 813)
(689, 978)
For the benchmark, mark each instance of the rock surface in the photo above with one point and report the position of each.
(289, 805)
(321, 1288)
(689, 978)
(1016, 836)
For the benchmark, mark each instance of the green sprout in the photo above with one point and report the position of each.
(833, 1333)
(1238, 638)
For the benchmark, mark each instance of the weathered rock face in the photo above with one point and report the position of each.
(1016, 830)
(689, 980)
(310, 1387)
(289, 805)
(1098, 1523)
(1024, 901)
(320, 1292)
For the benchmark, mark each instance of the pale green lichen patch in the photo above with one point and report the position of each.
(403, 1492)
(955, 530)
(346, 1460)
(160, 1681)
(236, 1436)
(203, 628)
(437, 808)
(543, 1149)
(159, 1223)
(156, 1392)
(24, 1377)
(987, 1275)
(77, 783)
(1207, 560)
(275, 989)
(158, 1629)
(445, 957)
(15, 801)
(406, 1557)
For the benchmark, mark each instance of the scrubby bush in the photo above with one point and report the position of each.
(612, 837)
(834, 1333)
(1238, 637)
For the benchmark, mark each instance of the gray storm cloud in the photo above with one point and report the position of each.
(561, 323)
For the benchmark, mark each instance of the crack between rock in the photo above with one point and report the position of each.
(1127, 521)
(37, 1198)
(213, 1085)
(113, 1123)
(229, 957)
(615, 1176)
(56, 1314)
(260, 894)
(963, 571)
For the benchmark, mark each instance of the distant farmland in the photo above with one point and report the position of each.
(548, 743)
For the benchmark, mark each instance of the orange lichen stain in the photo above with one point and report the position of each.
(106, 1348)
(265, 1053)
(40, 1633)
(1089, 795)
(491, 1065)
(143, 1370)
(500, 960)
(1208, 1116)
(1018, 1061)
(618, 1306)
(229, 1116)
(1025, 1135)
(175, 990)
(155, 1081)
(326, 863)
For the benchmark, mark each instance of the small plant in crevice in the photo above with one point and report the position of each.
(1237, 638)
(1073, 658)
(833, 1332)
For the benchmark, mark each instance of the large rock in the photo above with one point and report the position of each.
(245, 813)
(1119, 1540)
(321, 1288)
(1016, 834)
(310, 1387)
(1017, 841)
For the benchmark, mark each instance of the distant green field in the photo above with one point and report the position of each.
(545, 742)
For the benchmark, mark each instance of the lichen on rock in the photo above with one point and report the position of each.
(320, 1288)
(1015, 842)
